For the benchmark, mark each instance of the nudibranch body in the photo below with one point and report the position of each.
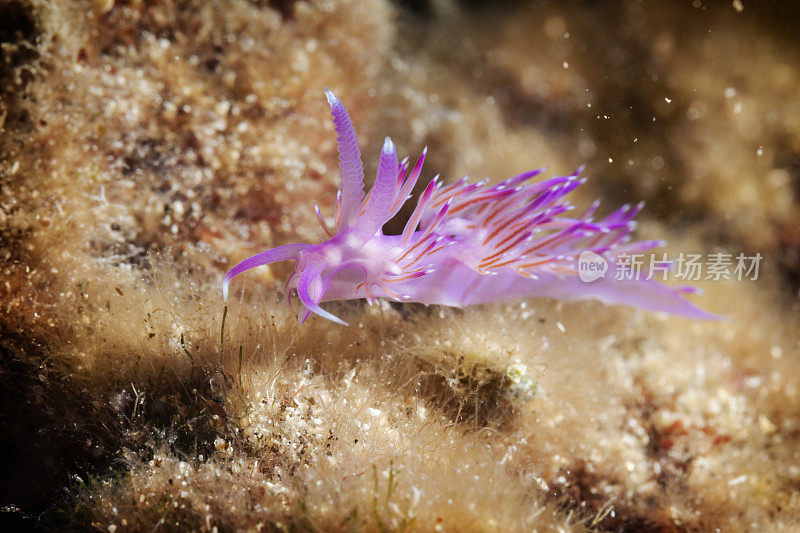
(464, 244)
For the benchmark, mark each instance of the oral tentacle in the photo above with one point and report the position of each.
(281, 253)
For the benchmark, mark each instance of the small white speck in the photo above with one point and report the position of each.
(737, 480)
(610, 160)
(668, 100)
(738, 6)
(730, 92)
(566, 65)
(561, 327)
(760, 151)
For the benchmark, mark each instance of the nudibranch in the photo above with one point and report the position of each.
(464, 244)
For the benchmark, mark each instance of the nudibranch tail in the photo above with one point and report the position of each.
(464, 243)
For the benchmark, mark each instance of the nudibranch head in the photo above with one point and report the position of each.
(465, 243)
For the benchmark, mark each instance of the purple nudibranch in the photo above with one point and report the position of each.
(464, 244)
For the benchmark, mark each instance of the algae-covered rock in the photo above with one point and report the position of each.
(147, 146)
